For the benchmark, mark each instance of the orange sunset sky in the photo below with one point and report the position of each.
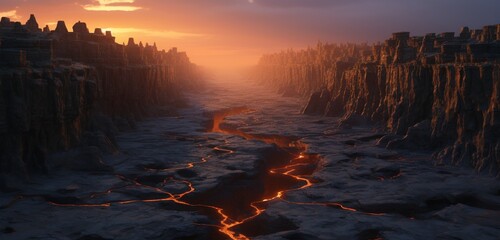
(224, 34)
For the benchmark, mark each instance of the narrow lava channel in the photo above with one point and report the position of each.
(284, 167)
(237, 201)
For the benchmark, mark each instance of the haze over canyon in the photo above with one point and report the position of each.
(291, 119)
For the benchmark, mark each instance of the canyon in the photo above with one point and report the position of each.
(437, 92)
(101, 140)
(61, 90)
(217, 169)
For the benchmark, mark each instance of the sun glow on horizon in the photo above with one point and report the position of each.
(125, 33)
(231, 35)
(107, 2)
(111, 5)
(110, 8)
(12, 14)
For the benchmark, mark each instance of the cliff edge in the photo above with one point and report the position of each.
(61, 89)
(439, 92)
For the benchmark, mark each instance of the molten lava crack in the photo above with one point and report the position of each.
(290, 168)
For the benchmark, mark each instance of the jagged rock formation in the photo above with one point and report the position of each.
(58, 89)
(438, 92)
(32, 24)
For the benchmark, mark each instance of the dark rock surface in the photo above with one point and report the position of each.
(357, 191)
(61, 89)
(437, 92)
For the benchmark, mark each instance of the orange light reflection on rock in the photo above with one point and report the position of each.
(302, 159)
(287, 170)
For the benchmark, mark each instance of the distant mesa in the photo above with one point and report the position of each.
(80, 27)
(131, 42)
(98, 31)
(29, 44)
(5, 21)
(61, 27)
(465, 33)
(31, 24)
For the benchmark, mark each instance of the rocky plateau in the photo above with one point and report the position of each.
(439, 92)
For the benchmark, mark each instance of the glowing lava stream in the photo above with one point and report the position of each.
(293, 169)
(290, 169)
(301, 159)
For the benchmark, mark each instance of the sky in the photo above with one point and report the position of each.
(232, 34)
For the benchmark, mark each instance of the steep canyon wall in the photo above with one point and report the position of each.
(438, 92)
(60, 89)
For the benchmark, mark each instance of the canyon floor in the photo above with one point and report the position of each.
(242, 162)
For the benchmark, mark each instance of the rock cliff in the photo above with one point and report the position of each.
(61, 89)
(438, 92)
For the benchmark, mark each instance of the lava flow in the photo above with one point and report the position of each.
(297, 164)
(288, 166)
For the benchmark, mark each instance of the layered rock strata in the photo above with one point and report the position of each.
(60, 89)
(438, 92)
